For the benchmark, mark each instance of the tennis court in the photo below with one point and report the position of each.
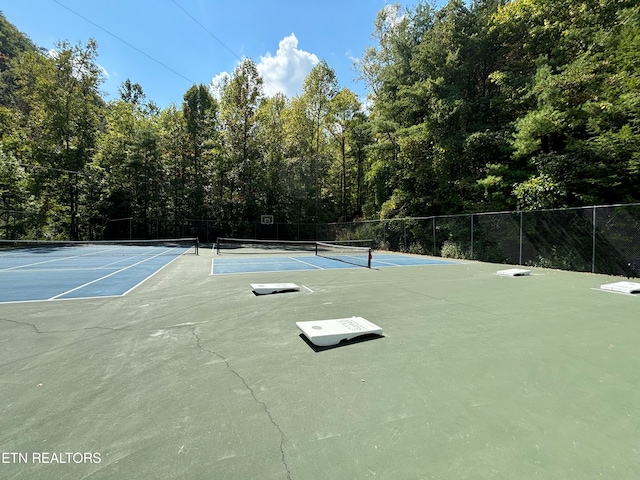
(191, 375)
(274, 256)
(31, 271)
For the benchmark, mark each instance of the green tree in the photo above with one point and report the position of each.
(432, 107)
(271, 139)
(360, 139)
(577, 137)
(238, 114)
(343, 108)
(62, 109)
(319, 88)
(12, 45)
(200, 112)
(299, 154)
(175, 151)
(131, 93)
(16, 204)
(129, 152)
(386, 68)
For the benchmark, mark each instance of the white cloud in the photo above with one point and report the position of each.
(283, 72)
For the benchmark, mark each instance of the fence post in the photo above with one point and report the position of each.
(434, 235)
(404, 234)
(472, 236)
(520, 254)
(593, 243)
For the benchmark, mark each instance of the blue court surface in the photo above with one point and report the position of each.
(37, 274)
(220, 266)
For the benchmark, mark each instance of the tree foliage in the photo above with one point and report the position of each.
(497, 105)
(477, 106)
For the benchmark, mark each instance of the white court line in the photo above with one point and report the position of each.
(391, 265)
(355, 260)
(17, 267)
(244, 262)
(274, 261)
(272, 271)
(148, 277)
(87, 254)
(307, 288)
(57, 270)
(100, 297)
(261, 270)
(103, 267)
(114, 273)
(376, 262)
(306, 263)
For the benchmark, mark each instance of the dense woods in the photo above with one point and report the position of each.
(485, 106)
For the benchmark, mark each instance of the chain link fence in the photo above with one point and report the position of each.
(598, 239)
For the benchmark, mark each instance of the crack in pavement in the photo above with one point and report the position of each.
(25, 324)
(37, 330)
(194, 332)
(253, 394)
(111, 329)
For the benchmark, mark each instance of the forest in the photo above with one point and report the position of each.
(490, 105)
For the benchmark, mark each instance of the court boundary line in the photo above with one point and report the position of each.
(279, 271)
(61, 299)
(149, 276)
(418, 265)
(307, 263)
(37, 270)
(386, 264)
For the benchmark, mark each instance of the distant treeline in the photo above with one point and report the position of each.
(491, 105)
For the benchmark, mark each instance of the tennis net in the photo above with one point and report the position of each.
(250, 245)
(62, 248)
(345, 253)
(356, 255)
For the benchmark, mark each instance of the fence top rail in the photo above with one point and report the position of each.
(377, 220)
(502, 212)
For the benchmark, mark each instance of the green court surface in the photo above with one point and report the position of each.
(192, 376)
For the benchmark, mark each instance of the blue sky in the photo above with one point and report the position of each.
(195, 41)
